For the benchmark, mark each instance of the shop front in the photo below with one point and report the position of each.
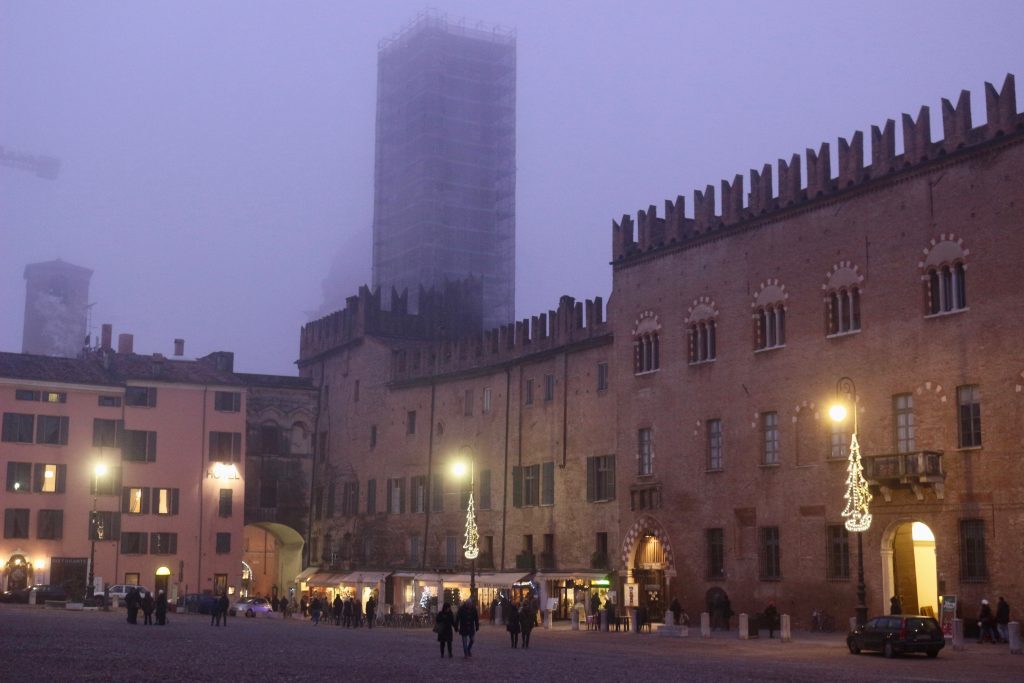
(565, 591)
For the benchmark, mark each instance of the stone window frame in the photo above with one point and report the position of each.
(646, 343)
(702, 331)
(769, 316)
(944, 276)
(842, 291)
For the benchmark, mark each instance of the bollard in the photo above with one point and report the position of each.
(603, 616)
(744, 626)
(575, 620)
(498, 619)
(1014, 628)
(549, 618)
(670, 618)
(785, 629)
(634, 627)
(958, 634)
(705, 625)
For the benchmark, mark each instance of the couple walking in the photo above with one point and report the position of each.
(466, 621)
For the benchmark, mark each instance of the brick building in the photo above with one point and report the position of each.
(706, 392)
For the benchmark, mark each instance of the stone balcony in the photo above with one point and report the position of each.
(916, 471)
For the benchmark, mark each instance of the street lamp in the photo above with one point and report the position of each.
(98, 470)
(858, 497)
(471, 546)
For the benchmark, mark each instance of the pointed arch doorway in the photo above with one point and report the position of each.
(909, 569)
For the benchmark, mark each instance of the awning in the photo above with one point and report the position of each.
(306, 573)
(325, 580)
(365, 578)
(454, 578)
(499, 579)
(565, 576)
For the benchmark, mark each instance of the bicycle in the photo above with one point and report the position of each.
(822, 622)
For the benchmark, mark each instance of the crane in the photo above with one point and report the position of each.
(43, 166)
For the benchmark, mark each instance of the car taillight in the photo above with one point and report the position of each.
(903, 631)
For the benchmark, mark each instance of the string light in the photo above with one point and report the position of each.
(471, 546)
(857, 495)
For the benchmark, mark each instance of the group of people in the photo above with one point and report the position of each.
(219, 611)
(465, 620)
(137, 600)
(343, 612)
(995, 626)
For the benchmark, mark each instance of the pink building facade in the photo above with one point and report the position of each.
(135, 461)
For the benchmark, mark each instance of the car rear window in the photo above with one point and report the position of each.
(926, 625)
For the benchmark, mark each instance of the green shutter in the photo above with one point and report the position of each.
(517, 487)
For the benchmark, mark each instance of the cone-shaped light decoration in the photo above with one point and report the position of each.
(857, 496)
(471, 546)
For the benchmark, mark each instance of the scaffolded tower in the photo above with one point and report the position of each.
(445, 182)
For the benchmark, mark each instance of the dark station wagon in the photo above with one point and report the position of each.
(897, 634)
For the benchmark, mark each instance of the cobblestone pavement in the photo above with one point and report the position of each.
(39, 644)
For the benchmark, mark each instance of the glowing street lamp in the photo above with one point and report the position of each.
(471, 546)
(858, 496)
(98, 470)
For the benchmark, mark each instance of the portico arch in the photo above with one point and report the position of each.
(272, 557)
(649, 564)
(908, 554)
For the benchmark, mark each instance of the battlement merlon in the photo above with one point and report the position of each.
(1002, 118)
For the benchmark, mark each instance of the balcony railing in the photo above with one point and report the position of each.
(546, 560)
(916, 470)
(526, 561)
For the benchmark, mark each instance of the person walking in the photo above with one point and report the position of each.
(304, 606)
(1003, 619)
(527, 621)
(512, 625)
(215, 613)
(467, 621)
(676, 609)
(371, 611)
(314, 609)
(444, 626)
(986, 624)
(223, 604)
(161, 608)
(339, 607)
(771, 615)
(147, 609)
(357, 613)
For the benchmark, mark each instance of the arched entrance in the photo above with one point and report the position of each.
(18, 573)
(647, 557)
(909, 568)
(272, 558)
(161, 580)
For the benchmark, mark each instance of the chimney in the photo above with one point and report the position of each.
(179, 347)
(106, 334)
(125, 342)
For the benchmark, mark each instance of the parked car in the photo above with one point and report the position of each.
(251, 607)
(897, 634)
(118, 591)
(42, 591)
(203, 603)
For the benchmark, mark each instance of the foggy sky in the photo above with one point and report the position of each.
(218, 156)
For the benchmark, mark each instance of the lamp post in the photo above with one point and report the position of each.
(471, 546)
(858, 497)
(98, 471)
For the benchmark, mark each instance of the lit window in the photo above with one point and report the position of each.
(49, 479)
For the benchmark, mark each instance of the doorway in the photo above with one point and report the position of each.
(650, 576)
(161, 581)
(909, 568)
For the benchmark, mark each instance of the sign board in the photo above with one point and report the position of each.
(947, 612)
(632, 595)
(552, 604)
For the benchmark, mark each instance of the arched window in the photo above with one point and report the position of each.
(702, 331)
(945, 276)
(842, 300)
(646, 344)
(770, 316)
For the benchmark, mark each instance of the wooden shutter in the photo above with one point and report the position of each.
(151, 446)
(62, 478)
(126, 499)
(517, 487)
(145, 500)
(172, 544)
(174, 501)
(591, 479)
(38, 474)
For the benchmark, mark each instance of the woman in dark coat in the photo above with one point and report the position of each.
(445, 627)
(161, 608)
(512, 626)
(527, 621)
(147, 609)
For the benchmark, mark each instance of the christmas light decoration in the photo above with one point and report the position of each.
(857, 495)
(471, 546)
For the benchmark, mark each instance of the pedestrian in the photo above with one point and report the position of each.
(1003, 619)
(467, 620)
(131, 601)
(494, 609)
(771, 615)
(512, 625)
(338, 606)
(147, 609)
(357, 614)
(895, 607)
(986, 624)
(595, 604)
(222, 607)
(371, 611)
(284, 608)
(161, 608)
(527, 621)
(676, 610)
(314, 609)
(444, 627)
(215, 613)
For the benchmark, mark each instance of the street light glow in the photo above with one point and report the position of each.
(460, 468)
(837, 411)
(100, 469)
